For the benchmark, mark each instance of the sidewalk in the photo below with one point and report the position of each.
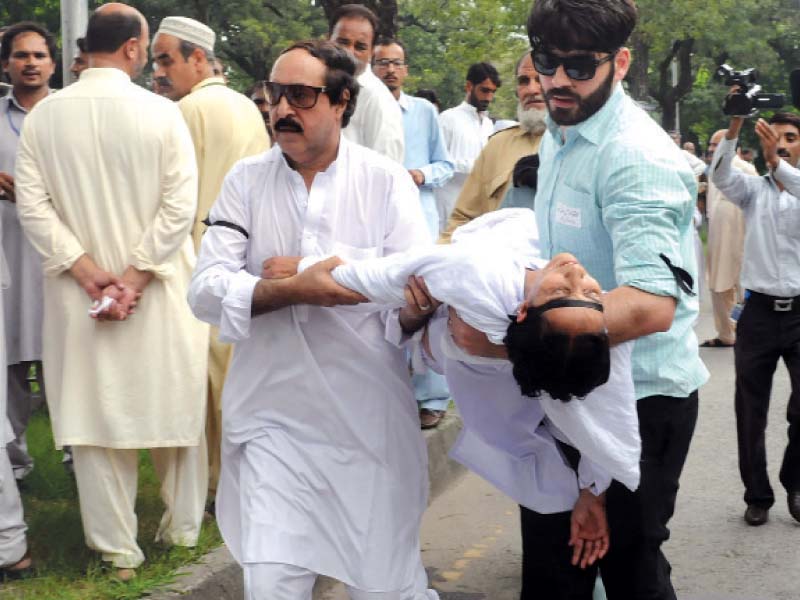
(218, 577)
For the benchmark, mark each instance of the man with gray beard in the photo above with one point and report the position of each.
(505, 171)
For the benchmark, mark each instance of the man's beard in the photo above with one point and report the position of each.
(480, 105)
(584, 107)
(532, 119)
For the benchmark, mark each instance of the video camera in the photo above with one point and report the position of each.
(748, 100)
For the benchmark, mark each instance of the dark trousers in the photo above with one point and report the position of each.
(547, 571)
(762, 337)
(634, 568)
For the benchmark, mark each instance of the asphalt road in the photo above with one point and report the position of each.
(471, 541)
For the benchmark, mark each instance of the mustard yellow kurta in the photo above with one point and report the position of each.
(491, 176)
(225, 127)
(106, 168)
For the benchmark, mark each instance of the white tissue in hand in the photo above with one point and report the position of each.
(99, 306)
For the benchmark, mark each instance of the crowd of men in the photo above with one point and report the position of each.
(119, 204)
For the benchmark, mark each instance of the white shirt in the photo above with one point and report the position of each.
(509, 439)
(23, 306)
(466, 132)
(377, 122)
(772, 238)
(324, 391)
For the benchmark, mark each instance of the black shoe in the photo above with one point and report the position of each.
(794, 504)
(756, 515)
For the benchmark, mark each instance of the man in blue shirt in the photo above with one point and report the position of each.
(429, 165)
(616, 192)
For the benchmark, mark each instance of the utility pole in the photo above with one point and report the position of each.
(677, 102)
(74, 16)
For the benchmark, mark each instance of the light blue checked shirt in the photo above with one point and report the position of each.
(616, 192)
(425, 150)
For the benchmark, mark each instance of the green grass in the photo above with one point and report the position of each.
(65, 568)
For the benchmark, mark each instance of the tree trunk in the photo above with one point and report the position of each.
(637, 75)
(385, 10)
(666, 93)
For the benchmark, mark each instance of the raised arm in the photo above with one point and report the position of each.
(737, 187)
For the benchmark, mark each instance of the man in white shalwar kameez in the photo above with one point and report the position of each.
(378, 120)
(304, 489)
(107, 194)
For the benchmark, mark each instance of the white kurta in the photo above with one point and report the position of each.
(377, 122)
(107, 169)
(465, 132)
(481, 273)
(320, 392)
(23, 305)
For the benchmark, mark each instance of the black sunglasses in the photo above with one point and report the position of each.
(579, 67)
(296, 94)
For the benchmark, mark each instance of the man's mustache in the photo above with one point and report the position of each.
(783, 153)
(163, 82)
(562, 92)
(286, 124)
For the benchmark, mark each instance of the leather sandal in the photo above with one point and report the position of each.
(22, 569)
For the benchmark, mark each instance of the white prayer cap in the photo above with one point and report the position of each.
(189, 30)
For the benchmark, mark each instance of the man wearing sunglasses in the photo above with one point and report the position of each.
(306, 489)
(616, 192)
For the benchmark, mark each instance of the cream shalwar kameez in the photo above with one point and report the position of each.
(303, 483)
(107, 169)
(226, 127)
(724, 253)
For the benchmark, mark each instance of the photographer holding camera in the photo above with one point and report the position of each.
(769, 326)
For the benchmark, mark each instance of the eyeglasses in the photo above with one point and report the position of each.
(296, 94)
(384, 63)
(579, 67)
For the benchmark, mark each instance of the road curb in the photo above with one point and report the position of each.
(218, 577)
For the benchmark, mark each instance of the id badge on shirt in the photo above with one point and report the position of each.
(568, 215)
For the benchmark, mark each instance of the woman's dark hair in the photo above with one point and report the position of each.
(107, 30)
(562, 365)
(26, 27)
(786, 118)
(480, 72)
(354, 11)
(340, 72)
(594, 25)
